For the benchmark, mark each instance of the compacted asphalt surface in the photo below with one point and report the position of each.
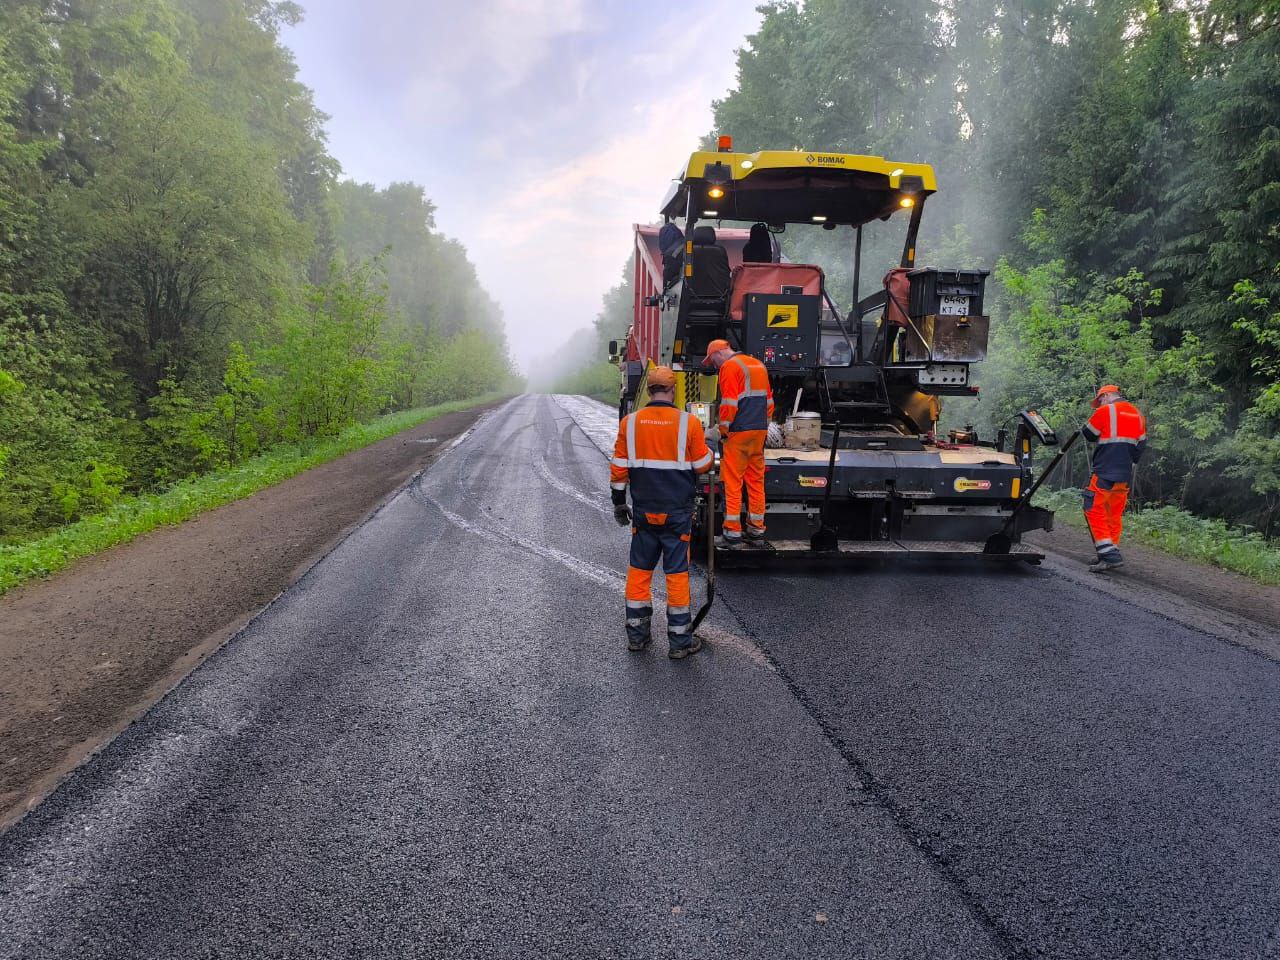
(436, 745)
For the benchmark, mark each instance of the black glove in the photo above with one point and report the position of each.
(622, 513)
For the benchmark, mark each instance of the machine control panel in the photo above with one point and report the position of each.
(701, 410)
(944, 374)
(781, 330)
(1039, 426)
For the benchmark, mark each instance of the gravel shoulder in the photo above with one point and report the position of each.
(1196, 583)
(84, 653)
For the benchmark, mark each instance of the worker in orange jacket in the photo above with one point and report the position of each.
(1120, 432)
(659, 453)
(746, 407)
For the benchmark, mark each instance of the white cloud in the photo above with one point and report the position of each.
(542, 129)
(516, 35)
(566, 231)
(562, 233)
(469, 52)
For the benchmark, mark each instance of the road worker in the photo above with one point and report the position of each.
(1120, 432)
(746, 407)
(658, 453)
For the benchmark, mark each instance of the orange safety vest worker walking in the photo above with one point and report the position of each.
(659, 453)
(1120, 432)
(746, 407)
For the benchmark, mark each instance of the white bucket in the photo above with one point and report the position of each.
(803, 430)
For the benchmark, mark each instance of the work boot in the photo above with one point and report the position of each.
(728, 541)
(688, 650)
(1105, 566)
(755, 533)
(1109, 558)
(638, 633)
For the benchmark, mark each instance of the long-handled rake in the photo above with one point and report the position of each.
(1000, 541)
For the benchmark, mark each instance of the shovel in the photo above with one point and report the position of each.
(711, 553)
(1000, 541)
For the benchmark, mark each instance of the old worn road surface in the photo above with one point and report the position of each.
(435, 746)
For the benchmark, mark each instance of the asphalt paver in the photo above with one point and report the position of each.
(435, 745)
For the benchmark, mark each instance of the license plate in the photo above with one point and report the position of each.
(954, 306)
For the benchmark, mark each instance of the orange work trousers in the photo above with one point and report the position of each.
(742, 458)
(1104, 503)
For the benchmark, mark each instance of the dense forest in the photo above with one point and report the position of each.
(1115, 163)
(184, 278)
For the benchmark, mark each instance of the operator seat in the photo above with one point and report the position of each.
(710, 279)
(704, 298)
(758, 249)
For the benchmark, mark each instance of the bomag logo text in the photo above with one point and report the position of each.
(825, 160)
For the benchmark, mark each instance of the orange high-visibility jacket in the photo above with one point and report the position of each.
(1120, 431)
(746, 398)
(658, 452)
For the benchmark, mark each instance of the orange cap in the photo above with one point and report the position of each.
(1103, 390)
(662, 378)
(715, 346)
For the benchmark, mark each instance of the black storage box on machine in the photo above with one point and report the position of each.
(946, 293)
(947, 322)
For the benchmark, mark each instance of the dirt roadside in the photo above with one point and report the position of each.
(84, 653)
(1201, 584)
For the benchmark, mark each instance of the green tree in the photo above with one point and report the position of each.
(1256, 444)
(329, 370)
(174, 291)
(184, 227)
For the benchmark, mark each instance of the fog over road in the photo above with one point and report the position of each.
(436, 745)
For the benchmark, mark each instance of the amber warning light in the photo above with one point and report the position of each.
(725, 144)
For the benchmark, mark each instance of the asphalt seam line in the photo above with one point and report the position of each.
(882, 797)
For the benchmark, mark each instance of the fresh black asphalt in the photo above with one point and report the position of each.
(435, 745)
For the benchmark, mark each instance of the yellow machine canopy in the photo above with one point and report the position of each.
(778, 187)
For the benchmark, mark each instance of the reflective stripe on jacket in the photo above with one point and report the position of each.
(746, 398)
(1120, 431)
(658, 452)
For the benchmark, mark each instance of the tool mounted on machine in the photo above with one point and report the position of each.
(878, 480)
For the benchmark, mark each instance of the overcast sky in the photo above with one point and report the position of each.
(542, 129)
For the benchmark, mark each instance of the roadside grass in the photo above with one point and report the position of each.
(1184, 535)
(131, 517)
